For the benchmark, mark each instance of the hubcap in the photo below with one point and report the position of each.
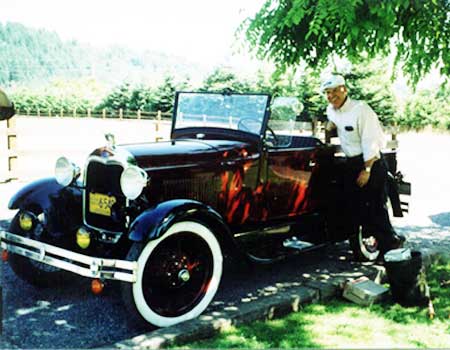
(184, 275)
(370, 243)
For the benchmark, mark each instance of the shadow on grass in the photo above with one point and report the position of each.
(281, 333)
(347, 323)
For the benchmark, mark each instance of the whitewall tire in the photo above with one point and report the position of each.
(178, 274)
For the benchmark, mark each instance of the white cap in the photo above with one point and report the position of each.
(331, 82)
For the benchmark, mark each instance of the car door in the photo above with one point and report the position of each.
(290, 161)
(288, 177)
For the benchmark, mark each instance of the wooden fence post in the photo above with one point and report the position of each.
(138, 114)
(89, 113)
(104, 113)
(158, 137)
(120, 113)
(75, 112)
(12, 148)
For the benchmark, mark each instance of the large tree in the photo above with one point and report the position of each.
(289, 31)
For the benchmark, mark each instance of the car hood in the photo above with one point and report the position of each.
(150, 156)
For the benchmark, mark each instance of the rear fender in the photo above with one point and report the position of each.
(154, 222)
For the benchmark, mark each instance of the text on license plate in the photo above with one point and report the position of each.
(101, 203)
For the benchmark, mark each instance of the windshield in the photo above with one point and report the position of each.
(227, 111)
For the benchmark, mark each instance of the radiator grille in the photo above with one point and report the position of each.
(105, 179)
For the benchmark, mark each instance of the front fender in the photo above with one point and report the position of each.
(154, 222)
(35, 195)
(62, 206)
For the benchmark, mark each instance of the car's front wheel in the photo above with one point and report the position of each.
(178, 275)
(365, 246)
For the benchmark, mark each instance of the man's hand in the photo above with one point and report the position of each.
(363, 178)
(330, 131)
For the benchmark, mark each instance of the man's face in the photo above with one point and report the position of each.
(336, 96)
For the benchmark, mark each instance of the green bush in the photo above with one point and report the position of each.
(427, 108)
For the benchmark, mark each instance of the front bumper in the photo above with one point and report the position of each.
(83, 265)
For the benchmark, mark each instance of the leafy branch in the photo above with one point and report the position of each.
(291, 31)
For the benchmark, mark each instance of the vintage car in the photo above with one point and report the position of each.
(237, 179)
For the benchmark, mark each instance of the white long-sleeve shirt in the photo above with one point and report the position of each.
(358, 128)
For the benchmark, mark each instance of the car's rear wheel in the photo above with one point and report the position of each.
(365, 246)
(178, 275)
(32, 271)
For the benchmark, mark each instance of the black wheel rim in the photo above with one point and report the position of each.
(177, 274)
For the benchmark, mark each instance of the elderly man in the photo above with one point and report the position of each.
(362, 140)
(6, 107)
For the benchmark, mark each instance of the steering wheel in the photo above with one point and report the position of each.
(273, 135)
(247, 124)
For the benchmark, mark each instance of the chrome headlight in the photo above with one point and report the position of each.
(65, 171)
(132, 181)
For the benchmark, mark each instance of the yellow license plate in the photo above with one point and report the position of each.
(101, 204)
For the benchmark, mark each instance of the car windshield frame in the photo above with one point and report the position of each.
(244, 112)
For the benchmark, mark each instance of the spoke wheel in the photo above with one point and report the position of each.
(178, 274)
(365, 246)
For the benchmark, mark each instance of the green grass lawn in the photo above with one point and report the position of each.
(342, 324)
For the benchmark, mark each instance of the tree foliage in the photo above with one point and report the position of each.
(367, 81)
(28, 55)
(66, 95)
(427, 109)
(34, 56)
(289, 31)
(222, 79)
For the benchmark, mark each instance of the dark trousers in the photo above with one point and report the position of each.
(367, 204)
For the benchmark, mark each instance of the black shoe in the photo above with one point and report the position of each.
(395, 242)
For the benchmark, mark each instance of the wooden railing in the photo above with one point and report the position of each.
(89, 113)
